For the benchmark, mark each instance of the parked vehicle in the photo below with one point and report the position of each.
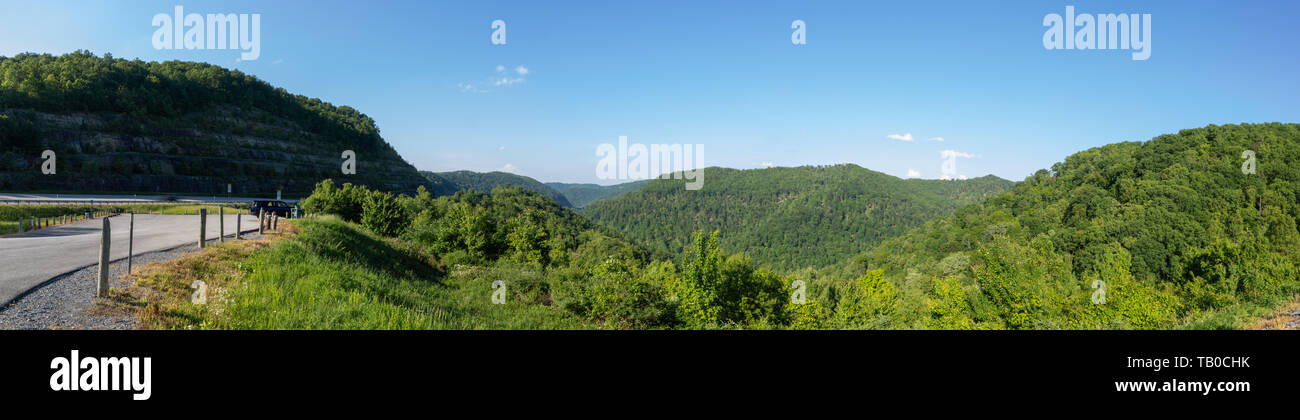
(275, 207)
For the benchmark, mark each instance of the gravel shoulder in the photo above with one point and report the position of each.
(1287, 318)
(68, 301)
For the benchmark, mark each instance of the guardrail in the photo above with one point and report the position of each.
(111, 202)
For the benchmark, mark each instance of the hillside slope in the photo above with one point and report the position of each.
(582, 195)
(787, 218)
(178, 127)
(1158, 234)
(448, 183)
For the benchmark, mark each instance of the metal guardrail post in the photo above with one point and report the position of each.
(130, 244)
(203, 227)
(104, 244)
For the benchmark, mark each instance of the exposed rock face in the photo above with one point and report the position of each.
(200, 153)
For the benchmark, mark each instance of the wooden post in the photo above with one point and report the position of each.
(203, 227)
(20, 225)
(130, 244)
(238, 232)
(104, 243)
(221, 223)
(261, 221)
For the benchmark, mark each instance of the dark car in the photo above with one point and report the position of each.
(276, 207)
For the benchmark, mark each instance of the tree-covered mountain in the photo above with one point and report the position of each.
(181, 127)
(1192, 229)
(787, 218)
(1197, 229)
(583, 194)
(448, 183)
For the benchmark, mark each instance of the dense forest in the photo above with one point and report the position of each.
(787, 218)
(184, 127)
(582, 195)
(1191, 229)
(448, 183)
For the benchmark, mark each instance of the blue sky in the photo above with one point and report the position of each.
(725, 74)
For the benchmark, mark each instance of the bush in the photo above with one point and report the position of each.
(384, 214)
(346, 202)
(617, 296)
(867, 303)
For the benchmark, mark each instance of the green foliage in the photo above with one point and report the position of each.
(786, 218)
(383, 214)
(582, 195)
(697, 291)
(720, 290)
(1162, 234)
(19, 133)
(448, 183)
(347, 202)
(867, 303)
(527, 237)
(1172, 228)
(949, 307)
(333, 275)
(617, 295)
(206, 126)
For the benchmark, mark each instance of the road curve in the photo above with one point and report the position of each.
(29, 259)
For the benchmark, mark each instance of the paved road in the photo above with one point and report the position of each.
(86, 198)
(30, 259)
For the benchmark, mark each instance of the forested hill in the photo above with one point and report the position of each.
(183, 127)
(448, 183)
(1177, 230)
(787, 218)
(582, 195)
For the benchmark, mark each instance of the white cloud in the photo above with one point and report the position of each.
(503, 81)
(278, 61)
(768, 164)
(502, 148)
(506, 81)
(901, 137)
(510, 167)
(912, 173)
(950, 153)
(937, 139)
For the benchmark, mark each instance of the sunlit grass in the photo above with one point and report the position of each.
(323, 274)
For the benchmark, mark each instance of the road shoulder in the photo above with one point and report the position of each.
(68, 301)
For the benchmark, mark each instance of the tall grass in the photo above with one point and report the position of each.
(326, 274)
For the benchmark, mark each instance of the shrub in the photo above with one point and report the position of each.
(384, 214)
(346, 202)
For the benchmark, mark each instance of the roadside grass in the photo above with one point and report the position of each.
(1280, 319)
(10, 213)
(322, 274)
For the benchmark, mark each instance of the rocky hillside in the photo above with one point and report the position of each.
(177, 127)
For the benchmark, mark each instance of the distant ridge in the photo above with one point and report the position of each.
(448, 183)
(583, 194)
(787, 218)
